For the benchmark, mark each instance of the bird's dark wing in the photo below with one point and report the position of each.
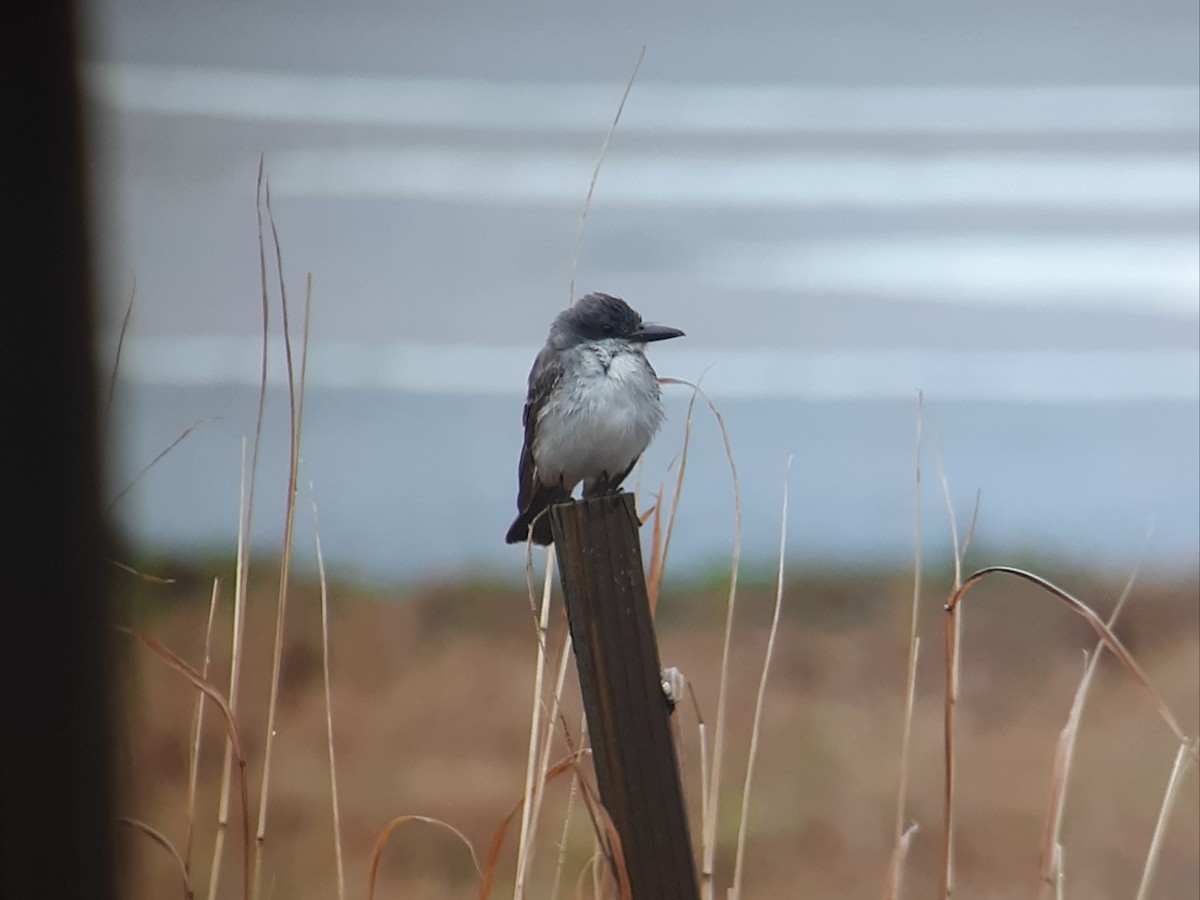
(543, 377)
(532, 495)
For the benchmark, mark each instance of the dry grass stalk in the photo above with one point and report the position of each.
(1050, 870)
(296, 411)
(112, 392)
(705, 761)
(654, 583)
(333, 788)
(587, 200)
(107, 424)
(547, 736)
(235, 667)
(895, 871)
(655, 569)
(197, 723)
(953, 632)
(893, 880)
(756, 727)
(532, 781)
(161, 839)
(112, 379)
(245, 537)
(493, 857)
(711, 793)
(1185, 757)
(567, 764)
(150, 465)
(572, 793)
(608, 839)
(953, 639)
(1052, 857)
(658, 562)
(141, 576)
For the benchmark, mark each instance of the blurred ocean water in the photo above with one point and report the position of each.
(413, 485)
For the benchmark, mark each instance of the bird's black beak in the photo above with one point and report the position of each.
(648, 333)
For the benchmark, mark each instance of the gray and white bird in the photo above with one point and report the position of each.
(592, 408)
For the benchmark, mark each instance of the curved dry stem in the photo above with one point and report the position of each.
(161, 839)
(381, 843)
(493, 857)
(1106, 635)
(605, 832)
(590, 867)
(202, 684)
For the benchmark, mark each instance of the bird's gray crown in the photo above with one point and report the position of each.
(595, 317)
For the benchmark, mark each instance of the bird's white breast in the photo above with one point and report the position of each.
(600, 417)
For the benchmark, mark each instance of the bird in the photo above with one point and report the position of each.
(593, 406)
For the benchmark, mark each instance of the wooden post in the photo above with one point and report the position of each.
(620, 678)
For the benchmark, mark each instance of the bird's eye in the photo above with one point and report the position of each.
(607, 328)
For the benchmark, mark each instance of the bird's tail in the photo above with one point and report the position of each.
(535, 514)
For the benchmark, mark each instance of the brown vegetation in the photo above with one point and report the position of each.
(431, 695)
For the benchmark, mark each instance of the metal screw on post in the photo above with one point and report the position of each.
(628, 715)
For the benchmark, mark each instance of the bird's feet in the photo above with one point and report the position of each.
(605, 486)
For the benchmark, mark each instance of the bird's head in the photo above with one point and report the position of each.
(598, 317)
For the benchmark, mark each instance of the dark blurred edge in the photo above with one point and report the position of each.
(56, 802)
